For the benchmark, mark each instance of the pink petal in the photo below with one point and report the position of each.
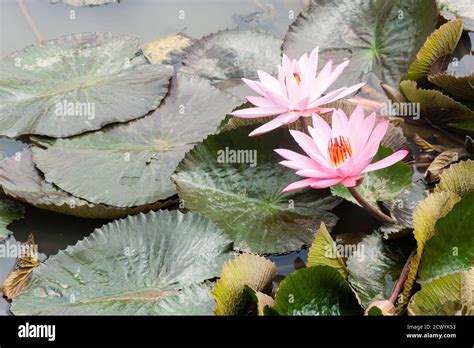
(308, 145)
(267, 127)
(350, 181)
(258, 112)
(260, 101)
(297, 160)
(320, 173)
(329, 79)
(269, 81)
(387, 161)
(299, 185)
(292, 88)
(320, 184)
(339, 123)
(256, 86)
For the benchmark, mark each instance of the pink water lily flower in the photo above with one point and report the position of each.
(341, 154)
(298, 91)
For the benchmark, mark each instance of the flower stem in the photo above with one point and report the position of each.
(401, 280)
(378, 214)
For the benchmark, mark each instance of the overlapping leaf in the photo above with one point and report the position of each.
(149, 264)
(458, 178)
(9, 212)
(78, 83)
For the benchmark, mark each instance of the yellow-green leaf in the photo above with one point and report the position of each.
(459, 178)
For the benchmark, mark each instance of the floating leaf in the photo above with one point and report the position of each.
(439, 164)
(440, 43)
(381, 185)
(462, 9)
(9, 212)
(434, 207)
(324, 252)
(377, 36)
(130, 165)
(236, 181)
(318, 290)
(233, 54)
(20, 179)
(438, 108)
(19, 276)
(168, 50)
(459, 178)
(249, 270)
(452, 294)
(374, 268)
(78, 83)
(149, 264)
(451, 249)
(458, 86)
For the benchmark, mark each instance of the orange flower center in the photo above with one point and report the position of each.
(339, 149)
(297, 77)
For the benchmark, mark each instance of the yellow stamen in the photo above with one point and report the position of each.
(339, 149)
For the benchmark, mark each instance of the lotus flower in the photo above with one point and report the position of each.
(298, 91)
(340, 155)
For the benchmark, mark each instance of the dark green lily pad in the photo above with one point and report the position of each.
(149, 264)
(78, 83)
(382, 185)
(451, 249)
(318, 290)
(130, 165)
(20, 179)
(377, 36)
(9, 212)
(244, 197)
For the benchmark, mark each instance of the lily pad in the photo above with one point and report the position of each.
(236, 181)
(377, 36)
(381, 185)
(460, 8)
(458, 86)
(451, 249)
(439, 109)
(324, 252)
(149, 264)
(85, 2)
(375, 268)
(439, 164)
(439, 44)
(432, 208)
(449, 295)
(168, 50)
(231, 55)
(9, 212)
(130, 165)
(458, 178)
(246, 270)
(20, 179)
(318, 290)
(78, 83)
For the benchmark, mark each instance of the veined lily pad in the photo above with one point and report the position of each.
(324, 252)
(452, 294)
(9, 212)
(451, 249)
(236, 181)
(459, 86)
(168, 50)
(460, 8)
(231, 55)
(458, 178)
(374, 268)
(382, 185)
(149, 264)
(377, 36)
(318, 290)
(20, 179)
(78, 83)
(130, 165)
(246, 270)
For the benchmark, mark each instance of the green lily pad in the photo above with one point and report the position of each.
(318, 290)
(451, 249)
(377, 36)
(9, 212)
(381, 185)
(449, 295)
(458, 178)
(439, 109)
(461, 9)
(440, 43)
(130, 165)
(236, 181)
(374, 268)
(78, 83)
(324, 252)
(20, 179)
(149, 264)
(229, 55)
(246, 270)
